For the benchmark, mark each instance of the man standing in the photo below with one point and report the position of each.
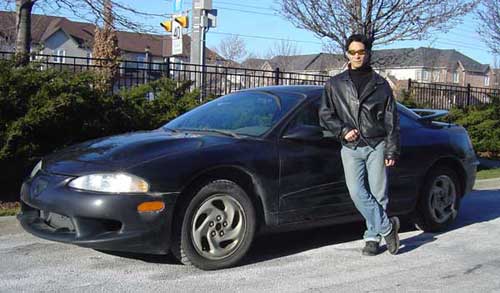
(358, 107)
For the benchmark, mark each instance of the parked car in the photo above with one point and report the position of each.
(205, 183)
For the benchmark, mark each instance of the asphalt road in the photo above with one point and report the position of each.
(464, 259)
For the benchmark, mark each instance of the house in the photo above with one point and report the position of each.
(496, 78)
(59, 36)
(433, 65)
(398, 65)
(253, 63)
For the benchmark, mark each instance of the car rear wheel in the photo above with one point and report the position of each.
(440, 200)
(217, 227)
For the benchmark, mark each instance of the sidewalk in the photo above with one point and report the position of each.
(487, 184)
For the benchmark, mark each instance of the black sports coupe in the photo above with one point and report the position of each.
(256, 160)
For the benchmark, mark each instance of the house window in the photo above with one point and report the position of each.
(59, 56)
(89, 58)
(436, 76)
(455, 77)
(486, 81)
(141, 59)
(425, 75)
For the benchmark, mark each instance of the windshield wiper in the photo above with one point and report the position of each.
(224, 132)
(171, 130)
(220, 131)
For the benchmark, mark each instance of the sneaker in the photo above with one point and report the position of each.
(371, 248)
(392, 240)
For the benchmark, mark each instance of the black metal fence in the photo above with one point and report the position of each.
(443, 96)
(212, 79)
(220, 80)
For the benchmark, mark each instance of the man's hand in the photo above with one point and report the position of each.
(390, 162)
(352, 135)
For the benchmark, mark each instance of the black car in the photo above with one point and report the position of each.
(256, 160)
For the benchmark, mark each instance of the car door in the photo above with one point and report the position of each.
(312, 184)
(403, 177)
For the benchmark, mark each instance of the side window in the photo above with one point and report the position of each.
(308, 115)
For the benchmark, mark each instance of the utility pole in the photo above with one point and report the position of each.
(204, 17)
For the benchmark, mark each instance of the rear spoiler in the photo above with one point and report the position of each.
(427, 115)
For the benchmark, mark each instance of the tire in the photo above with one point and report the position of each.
(216, 227)
(439, 200)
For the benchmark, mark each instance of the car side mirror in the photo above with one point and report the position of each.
(304, 132)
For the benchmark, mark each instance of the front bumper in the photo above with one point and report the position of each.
(470, 166)
(53, 211)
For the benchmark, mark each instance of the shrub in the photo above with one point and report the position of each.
(483, 124)
(45, 110)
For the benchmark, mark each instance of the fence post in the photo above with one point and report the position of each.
(277, 76)
(168, 67)
(409, 85)
(468, 94)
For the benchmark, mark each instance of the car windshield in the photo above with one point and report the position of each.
(249, 113)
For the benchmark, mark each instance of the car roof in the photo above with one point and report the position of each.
(308, 90)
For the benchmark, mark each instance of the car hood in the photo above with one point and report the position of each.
(124, 151)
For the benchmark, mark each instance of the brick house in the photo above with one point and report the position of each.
(398, 65)
(54, 35)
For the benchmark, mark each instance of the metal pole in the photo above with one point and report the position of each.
(202, 56)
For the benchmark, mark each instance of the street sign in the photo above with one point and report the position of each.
(176, 37)
(202, 4)
(177, 5)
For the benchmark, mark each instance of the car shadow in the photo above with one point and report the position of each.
(148, 258)
(480, 206)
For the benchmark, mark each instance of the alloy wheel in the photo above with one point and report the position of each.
(218, 227)
(442, 199)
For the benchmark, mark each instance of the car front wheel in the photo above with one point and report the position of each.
(217, 228)
(440, 200)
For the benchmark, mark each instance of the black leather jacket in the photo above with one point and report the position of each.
(374, 114)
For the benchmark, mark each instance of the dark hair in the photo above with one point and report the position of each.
(358, 38)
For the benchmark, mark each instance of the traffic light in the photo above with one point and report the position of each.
(182, 20)
(167, 25)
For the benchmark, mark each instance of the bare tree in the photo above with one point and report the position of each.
(283, 48)
(90, 10)
(23, 30)
(106, 50)
(281, 51)
(381, 21)
(489, 16)
(254, 60)
(233, 49)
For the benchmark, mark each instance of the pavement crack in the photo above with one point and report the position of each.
(472, 269)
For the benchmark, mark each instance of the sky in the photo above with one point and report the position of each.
(260, 27)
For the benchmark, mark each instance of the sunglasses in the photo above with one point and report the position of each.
(353, 52)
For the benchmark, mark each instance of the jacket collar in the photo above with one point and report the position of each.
(376, 77)
(370, 87)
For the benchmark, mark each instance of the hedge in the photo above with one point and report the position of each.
(45, 110)
(481, 121)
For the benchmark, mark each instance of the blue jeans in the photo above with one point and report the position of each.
(366, 164)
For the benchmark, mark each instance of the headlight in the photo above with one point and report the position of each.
(111, 182)
(37, 168)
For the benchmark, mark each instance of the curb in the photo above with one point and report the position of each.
(487, 184)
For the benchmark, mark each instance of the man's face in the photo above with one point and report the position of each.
(356, 54)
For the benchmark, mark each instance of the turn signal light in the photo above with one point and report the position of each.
(151, 206)
(167, 25)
